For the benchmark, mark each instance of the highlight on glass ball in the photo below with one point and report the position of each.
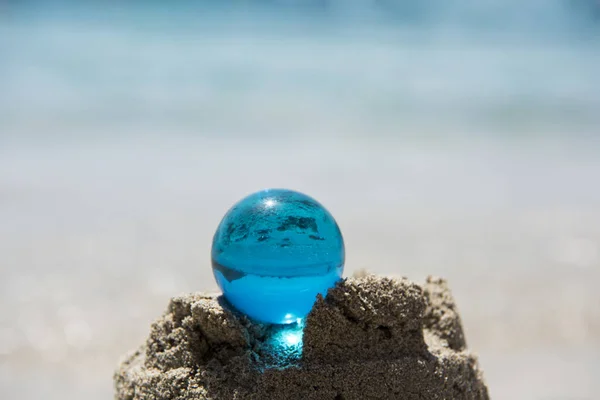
(273, 252)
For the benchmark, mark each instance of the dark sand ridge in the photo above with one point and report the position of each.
(370, 338)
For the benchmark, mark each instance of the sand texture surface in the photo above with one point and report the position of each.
(370, 338)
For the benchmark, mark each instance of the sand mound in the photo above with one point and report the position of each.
(370, 338)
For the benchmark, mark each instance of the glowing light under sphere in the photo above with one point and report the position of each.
(274, 251)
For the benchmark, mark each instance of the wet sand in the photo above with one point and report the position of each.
(370, 338)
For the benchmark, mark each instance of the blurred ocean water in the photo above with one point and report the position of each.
(451, 138)
(283, 70)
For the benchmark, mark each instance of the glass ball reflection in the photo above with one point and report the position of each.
(274, 251)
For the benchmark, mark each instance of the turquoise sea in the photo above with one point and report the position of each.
(294, 68)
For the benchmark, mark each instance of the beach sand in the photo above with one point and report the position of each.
(370, 338)
(88, 260)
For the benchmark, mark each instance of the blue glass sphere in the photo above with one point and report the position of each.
(273, 252)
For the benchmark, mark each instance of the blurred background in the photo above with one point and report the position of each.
(456, 138)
